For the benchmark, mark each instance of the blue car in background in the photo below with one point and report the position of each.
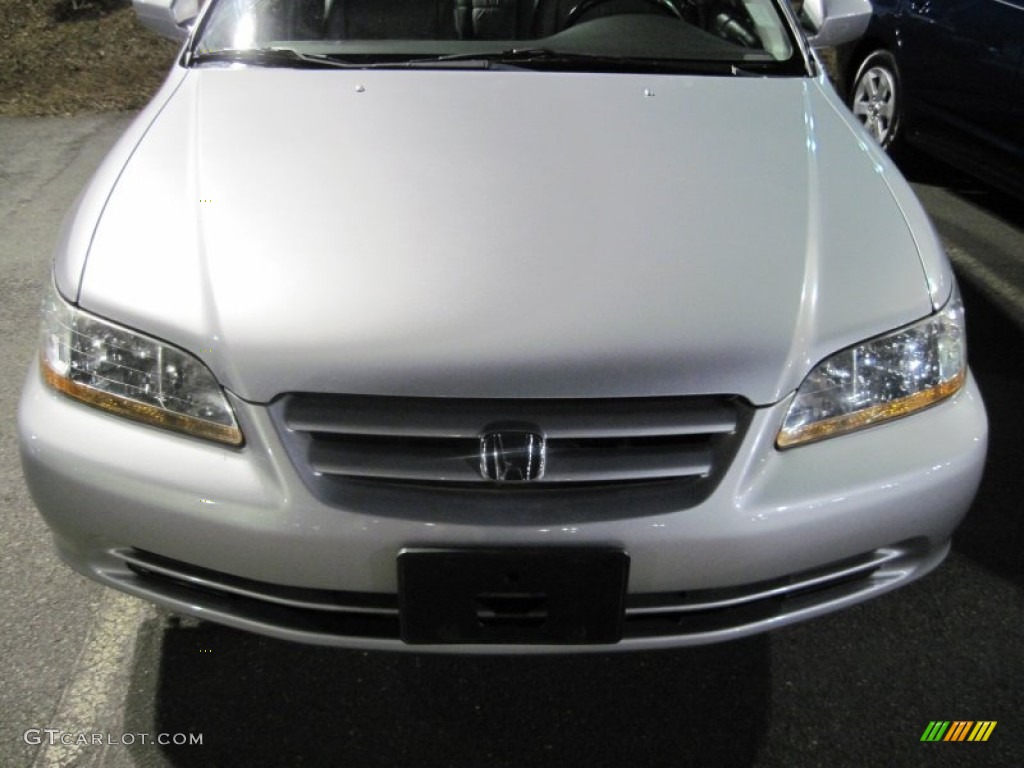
(946, 76)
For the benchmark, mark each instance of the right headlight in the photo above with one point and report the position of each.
(881, 379)
(126, 373)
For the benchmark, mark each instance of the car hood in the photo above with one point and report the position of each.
(504, 234)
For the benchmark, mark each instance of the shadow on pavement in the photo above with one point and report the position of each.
(259, 701)
(920, 168)
(992, 535)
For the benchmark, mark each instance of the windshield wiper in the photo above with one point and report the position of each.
(546, 58)
(556, 59)
(269, 57)
(289, 57)
(512, 56)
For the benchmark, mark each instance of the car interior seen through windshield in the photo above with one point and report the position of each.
(549, 33)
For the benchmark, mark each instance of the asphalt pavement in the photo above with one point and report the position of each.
(46, 611)
(857, 688)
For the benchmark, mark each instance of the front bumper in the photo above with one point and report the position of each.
(235, 536)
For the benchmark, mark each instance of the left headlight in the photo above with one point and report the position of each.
(126, 373)
(881, 379)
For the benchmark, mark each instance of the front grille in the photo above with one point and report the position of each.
(395, 441)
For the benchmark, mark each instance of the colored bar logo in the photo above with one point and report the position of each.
(958, 730)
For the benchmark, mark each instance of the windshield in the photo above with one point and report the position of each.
(746, 35)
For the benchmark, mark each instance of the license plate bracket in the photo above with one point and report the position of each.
(549, 596)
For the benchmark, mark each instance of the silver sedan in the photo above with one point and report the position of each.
(500, 327)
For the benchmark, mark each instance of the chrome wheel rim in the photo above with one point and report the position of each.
(874, 102)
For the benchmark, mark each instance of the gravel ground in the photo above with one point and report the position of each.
(59, 59)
